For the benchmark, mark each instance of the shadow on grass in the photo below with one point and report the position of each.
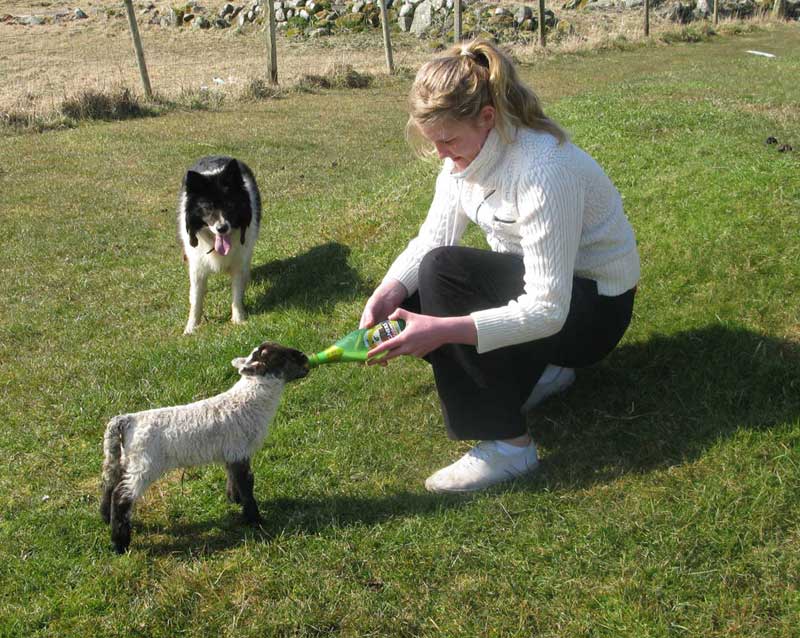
(665, 401)
(318, 278)
(284, 517)
(649, 405)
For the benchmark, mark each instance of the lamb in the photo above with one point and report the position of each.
(227, 428)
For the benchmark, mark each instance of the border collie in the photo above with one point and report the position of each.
(219, 215)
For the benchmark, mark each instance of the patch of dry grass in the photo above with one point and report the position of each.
(51, 66)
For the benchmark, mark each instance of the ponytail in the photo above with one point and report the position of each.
(458, 84)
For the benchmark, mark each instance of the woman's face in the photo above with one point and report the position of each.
(461, 141)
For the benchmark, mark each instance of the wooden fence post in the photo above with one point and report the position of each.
(716, 12)
(647, 18)
(541, 23)
(779, 9)
(457, 21)
(272, 46)
(387, 42)
(137, 47)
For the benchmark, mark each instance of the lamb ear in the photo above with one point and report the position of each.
(254, 368)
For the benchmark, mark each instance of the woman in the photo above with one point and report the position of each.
(504, 328)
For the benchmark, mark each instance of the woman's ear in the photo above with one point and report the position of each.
(487, 116)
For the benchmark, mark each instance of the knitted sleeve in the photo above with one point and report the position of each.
(550, 203)
(443, 226)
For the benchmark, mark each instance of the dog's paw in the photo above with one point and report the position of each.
(190, 328)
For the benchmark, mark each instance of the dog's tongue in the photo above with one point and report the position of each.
(222, 244)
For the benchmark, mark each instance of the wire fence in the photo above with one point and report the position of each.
(46, 62)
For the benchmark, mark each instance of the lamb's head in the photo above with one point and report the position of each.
(273, 360)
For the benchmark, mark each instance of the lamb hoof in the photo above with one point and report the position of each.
(121, 545)
(252, 518)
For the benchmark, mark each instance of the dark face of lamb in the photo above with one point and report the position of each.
(272, 359)
(219, 201)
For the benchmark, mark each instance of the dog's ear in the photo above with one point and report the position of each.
(231, 174)
(195, 182)
(244, 230)
(192, 237)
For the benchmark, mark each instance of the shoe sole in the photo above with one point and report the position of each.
(437, 490)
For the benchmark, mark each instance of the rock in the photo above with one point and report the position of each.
(423, 18)
(404, 22)
(280, 16)
(679, 13)
(303, 14)
(226, 10)
(221, 23)
(502, 21)
(188, 17)
(30, 20)
(406, 10)
(358, 6)
(201, 22)
(523, 13)
(351, 21)
(502, 11)
(318, 33)
(79, 14)
(437, 5)
(633, 4)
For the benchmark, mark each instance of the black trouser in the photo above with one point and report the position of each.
(481, 394)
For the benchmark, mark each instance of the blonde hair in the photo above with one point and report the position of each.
(470, 76)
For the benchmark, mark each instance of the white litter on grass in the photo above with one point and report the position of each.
(766, 55)
(219, 81)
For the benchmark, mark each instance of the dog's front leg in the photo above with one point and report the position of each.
(197, 292)
(238, 284)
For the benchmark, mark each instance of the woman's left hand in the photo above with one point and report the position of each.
(423, 334)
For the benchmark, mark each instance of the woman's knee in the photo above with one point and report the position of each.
(437, 262)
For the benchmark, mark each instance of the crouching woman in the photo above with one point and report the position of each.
(504, 328)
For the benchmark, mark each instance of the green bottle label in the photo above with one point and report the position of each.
(384, 331)
(356, 345)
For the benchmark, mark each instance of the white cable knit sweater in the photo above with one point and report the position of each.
(553, 205)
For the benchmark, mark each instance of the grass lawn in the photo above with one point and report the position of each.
(667, 503)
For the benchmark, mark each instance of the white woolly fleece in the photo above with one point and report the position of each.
(224, 428)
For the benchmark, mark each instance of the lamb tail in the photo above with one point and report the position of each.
(112, 463)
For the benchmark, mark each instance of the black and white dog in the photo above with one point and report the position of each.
(219, 214)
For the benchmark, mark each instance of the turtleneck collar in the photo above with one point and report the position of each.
(485, 160)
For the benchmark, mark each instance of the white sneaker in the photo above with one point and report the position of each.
(554, 379)
(486, 464)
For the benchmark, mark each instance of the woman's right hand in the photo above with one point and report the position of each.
(384, 301)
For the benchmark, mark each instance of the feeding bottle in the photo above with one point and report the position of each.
(356, 345)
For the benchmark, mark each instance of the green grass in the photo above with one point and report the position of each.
(667, 503)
